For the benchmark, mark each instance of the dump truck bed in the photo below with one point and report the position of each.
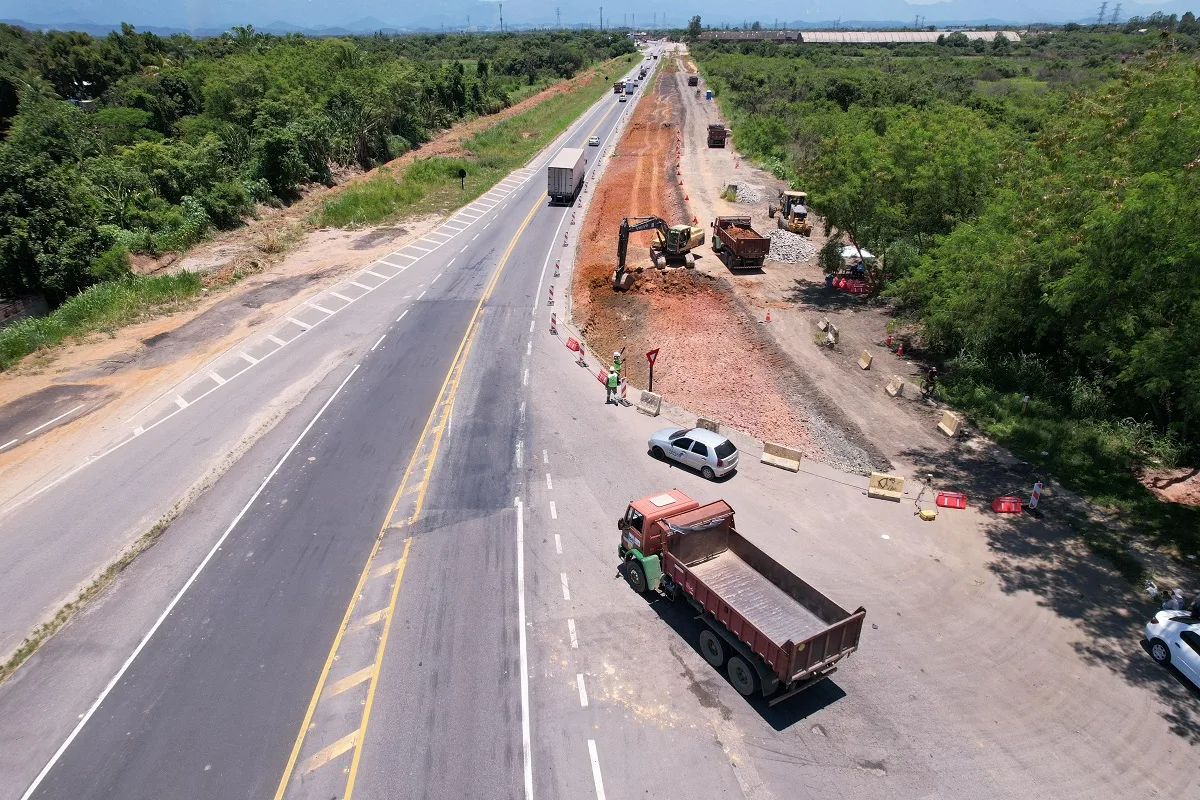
(763, 604)
(747, 246)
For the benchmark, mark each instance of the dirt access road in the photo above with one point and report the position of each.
(713, 357)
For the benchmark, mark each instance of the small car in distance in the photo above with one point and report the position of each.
(1174, 638)
(594, 141)
(709, 453)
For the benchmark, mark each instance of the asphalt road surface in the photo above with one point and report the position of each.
(214, 702)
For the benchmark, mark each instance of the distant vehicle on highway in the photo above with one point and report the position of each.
(594, 141)
(1174, 638)
(710, 453)
(623, 99)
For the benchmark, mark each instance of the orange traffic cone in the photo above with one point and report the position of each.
(685, 197)
(694, 220)
(768, 316)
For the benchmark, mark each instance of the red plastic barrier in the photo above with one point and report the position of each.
(1007, 505)
(573, 344)
(951, 499)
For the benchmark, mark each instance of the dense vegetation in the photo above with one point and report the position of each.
(137, 143)
(1035, 206)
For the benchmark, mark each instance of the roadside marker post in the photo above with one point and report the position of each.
(556, 268)
(553, 323)
(550, 302)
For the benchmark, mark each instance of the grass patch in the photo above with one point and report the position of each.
(102, 307)
(432, 185)
(1095, 458)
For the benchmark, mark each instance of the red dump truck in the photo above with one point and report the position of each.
(737, 243)
(770, 630)
(717, 134)
(618, 87)
(693, 80)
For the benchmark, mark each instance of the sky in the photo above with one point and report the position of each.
(454, 14)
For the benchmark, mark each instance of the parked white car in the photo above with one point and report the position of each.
(710, 453)
(1174, 638)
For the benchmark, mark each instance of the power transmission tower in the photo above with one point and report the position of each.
(601, 17)
(624, 20)
(1116, 14)
(1100, 17)
(502, 17)
(557, 17)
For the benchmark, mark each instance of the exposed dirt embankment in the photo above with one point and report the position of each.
(713, 358)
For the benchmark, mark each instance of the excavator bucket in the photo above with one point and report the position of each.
(622, 280)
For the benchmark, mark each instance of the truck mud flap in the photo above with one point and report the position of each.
(803, 687)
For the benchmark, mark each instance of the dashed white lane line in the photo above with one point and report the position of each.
(402, 315)
(520, 453)
(179, 401)
(422, 294)
(302, 325)
(528, 348)
(377, 343)
(521, 411)
(558, 544)
(531, 326)
(545, 457)
(596, 769)
(525, 378)
(274, 339)
(8, 444)
(574, 638)
(566, 588)
(435, 277)
(248, 357)
(582, 690)
(464, 247)
(485, 225)
(526, 742)
(476, 236)
(322, 309)
(217, 378)
(56, 419)
(549, 484)
(554, 515)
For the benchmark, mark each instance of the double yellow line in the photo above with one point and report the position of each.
(434, 427)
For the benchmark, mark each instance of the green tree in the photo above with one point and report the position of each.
(693, 29)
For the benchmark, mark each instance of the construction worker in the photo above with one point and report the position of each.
(617, 363)
(610, 395)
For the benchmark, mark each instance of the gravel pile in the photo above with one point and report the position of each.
(790, 248)
(749, 194)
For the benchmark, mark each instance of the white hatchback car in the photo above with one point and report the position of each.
(1174, 638)
(594, 141)
(710, 453)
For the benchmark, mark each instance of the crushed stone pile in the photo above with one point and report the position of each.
(790, 248)
(749, 194)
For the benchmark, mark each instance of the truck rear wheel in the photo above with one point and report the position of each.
(741, 675)
(636, 575)
(712, 648)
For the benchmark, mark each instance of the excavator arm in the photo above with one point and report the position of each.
(634, 225)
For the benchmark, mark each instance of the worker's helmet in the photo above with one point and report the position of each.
(612, 372)
(616, 355)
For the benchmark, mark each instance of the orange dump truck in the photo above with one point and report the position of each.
(770, 630)
(737, 243)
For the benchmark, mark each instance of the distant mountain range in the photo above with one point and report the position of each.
(327, 18)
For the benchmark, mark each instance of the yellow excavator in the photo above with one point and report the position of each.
(673, 246)
(792, 209)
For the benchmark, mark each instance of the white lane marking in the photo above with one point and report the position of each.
(472, 217)
(582, 690)
(464, 247)
(179, 401)
(558, 544)
(220, 381)
(531, 326)
(248, 357)
(574, 638)
(485, 225)
(56, 419)
(596, 769)
(8, 444)
(525, 736)
(33, 787)
(545, 457)
(407, 296)
(377, 275)
(554, 514)
(318, 308)
(276, 340)
(402, 315)
(436, 245)
(566, 589)
(139, 430)
(549, 485)
(435, 277)
(303, 325)
(362, 286)
(342, 297)
(521, 409)
(422, 249)
(528, 348)
(422, 294)
(476, 236)
(520, 453)
(546, 264)
(377, 343)
(437, 233)
(525, 379)
(384, 260)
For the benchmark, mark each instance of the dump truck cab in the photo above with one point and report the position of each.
(641, 535)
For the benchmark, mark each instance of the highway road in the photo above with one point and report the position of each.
(255, 668)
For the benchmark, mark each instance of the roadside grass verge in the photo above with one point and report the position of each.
(102, 307)
(432, 185)
(1095, 458)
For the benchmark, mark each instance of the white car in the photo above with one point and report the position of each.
(1174, 638)
(710, 453)
(594, 141)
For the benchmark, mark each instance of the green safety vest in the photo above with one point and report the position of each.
(612, 381)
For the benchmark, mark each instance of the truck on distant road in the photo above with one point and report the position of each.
(693, 80)
(770, 630)
(565, 174)
(737, 243)
(717, 135)
(618, 87)
(629, 87)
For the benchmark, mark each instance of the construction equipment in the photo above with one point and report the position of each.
(792, 211)
(693, 80)
(737, 243)
(717, 134)
(673, 246)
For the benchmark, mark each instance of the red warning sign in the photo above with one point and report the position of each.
(653, 354)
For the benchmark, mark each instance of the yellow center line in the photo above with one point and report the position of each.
(450, 382)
